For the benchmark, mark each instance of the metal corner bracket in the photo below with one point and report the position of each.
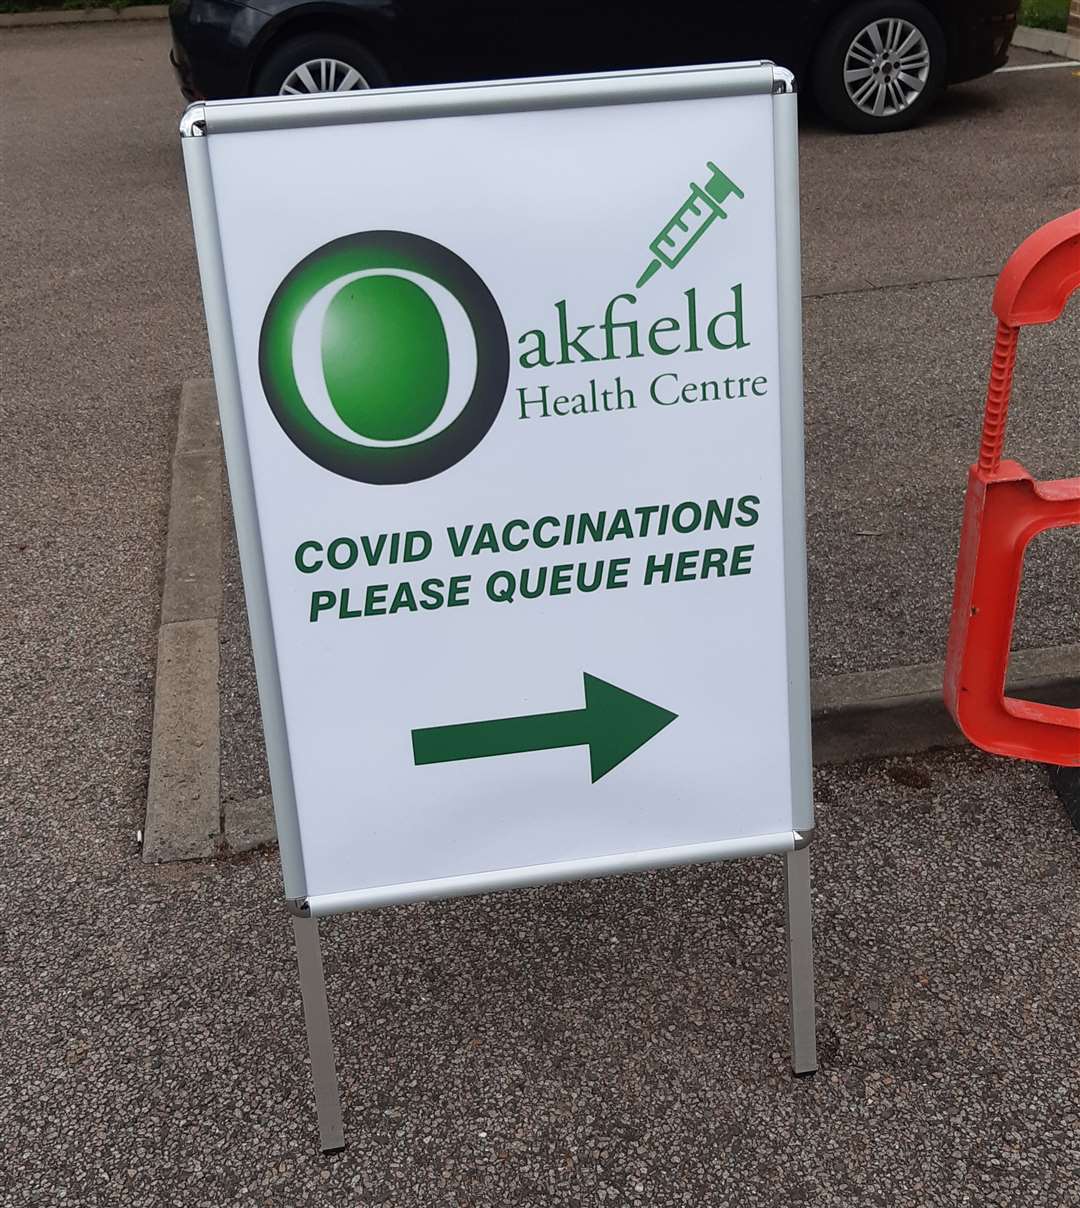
(299, 908)
(193, 123)
(803, 838)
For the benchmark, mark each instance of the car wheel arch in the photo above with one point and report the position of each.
(315, 19)
(940, 10)
(823, 15)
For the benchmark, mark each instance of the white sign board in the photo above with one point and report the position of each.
(511, 391)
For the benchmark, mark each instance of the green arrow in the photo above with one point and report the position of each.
(613, 724)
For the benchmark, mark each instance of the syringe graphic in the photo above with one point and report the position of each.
(691, 221)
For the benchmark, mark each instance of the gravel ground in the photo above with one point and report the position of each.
(613, 1042)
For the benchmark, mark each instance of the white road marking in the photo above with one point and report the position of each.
(1038, 66)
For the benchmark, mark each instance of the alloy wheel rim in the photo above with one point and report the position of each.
(322, 75)
(886, 67)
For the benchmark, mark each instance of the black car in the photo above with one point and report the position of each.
(872, 65)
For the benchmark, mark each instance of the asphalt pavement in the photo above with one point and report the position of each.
(613, 1042)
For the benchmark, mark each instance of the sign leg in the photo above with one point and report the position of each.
(320, 1041)
(800, 944)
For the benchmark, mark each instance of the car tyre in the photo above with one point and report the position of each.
(880, 66)
(319, 62)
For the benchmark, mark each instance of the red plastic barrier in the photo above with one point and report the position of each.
(1004, 509)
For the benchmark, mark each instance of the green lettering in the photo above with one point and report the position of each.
(657, 567)
(659, 328)
(372, 553)
(343, 561)
(609, 328)
(403, 598)
(543, 542)
(618, 573)
(374, 599)
(533, 358)
(736, 315)
(458, 595)
(713, 563)
(320, 602)
(715, 515)
(486, 541)
(620, 526)
(526, 402)
(345, 613)
(303, 567)
(458, 542)
(748, 509)
(511, 545)
(560, 579)
(740, 559)
(568, 345)
(686, 567)
(656, 382)
(411, 553)
(431, 594)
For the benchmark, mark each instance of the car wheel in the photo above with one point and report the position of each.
(880, 66)
(319, 63)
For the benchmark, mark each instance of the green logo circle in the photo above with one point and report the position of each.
(384, 357)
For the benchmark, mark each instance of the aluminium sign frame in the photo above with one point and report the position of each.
(205, 120)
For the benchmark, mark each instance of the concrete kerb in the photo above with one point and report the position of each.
(867, 714)
(900, 710)
(1047, 41)
(183, 801)
(249, 824)
(186, 818)
(183, 808)
(137, 12)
